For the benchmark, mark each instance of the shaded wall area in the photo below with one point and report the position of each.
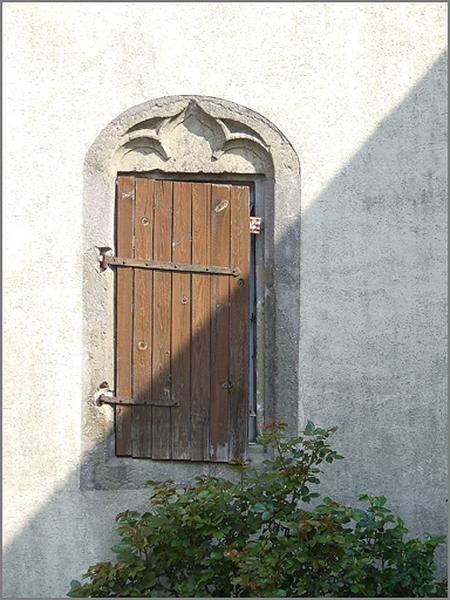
(372, 352)
(373, 310)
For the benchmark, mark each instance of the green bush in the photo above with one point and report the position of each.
(261, 537)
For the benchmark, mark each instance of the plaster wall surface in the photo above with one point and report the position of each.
(360, 92)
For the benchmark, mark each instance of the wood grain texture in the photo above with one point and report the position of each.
(124, 319)
(181, 323)
(201, 323)
(142, 334)
(239, 321)
(219, 255)
(182, 337)
(162, 305)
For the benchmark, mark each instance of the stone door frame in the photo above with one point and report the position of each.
(204, 139)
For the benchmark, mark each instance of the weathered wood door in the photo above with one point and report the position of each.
(182, 324)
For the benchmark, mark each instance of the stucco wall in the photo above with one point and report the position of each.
(360, 92)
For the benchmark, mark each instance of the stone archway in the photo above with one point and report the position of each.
(191, 137)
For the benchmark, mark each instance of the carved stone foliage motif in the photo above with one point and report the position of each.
(190, 141)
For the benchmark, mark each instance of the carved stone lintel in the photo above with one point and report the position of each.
(192, 140)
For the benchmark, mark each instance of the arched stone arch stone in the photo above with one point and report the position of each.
(191, 137)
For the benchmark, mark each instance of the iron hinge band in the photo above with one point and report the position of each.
(128, 401)
(118, 261)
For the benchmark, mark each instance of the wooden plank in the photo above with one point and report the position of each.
(181, 323)
(162, 304)
(201, 323)
(142, 335)
(124, 321)
(239, 321)
(220, 255)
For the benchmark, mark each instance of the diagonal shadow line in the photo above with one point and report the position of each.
(361, 207)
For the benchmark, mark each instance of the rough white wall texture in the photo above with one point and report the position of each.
(359, 90)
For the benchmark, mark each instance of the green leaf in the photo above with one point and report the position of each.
(75, 584)
(358, 514)
(309, 428)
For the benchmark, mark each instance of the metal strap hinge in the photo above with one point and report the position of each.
(127, 401)
(118, 261)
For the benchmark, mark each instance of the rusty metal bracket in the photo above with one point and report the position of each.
(127, 401)
(118, 261)
(255, 225)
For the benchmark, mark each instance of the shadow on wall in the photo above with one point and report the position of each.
(373, 310)
(372, 327)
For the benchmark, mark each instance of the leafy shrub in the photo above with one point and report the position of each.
(261, 537)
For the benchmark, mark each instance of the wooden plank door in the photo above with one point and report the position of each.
(182, 337)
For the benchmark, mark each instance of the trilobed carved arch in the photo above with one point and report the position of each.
(191, 140)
